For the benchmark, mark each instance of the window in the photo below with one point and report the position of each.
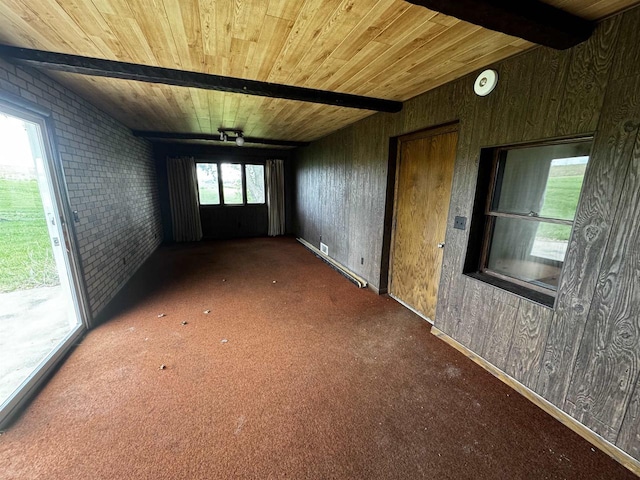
(208, 187)
(232, 183)
(224, 183)
(530, 197)
(255, 183)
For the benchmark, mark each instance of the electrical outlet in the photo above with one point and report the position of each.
(460, 223)
(324, 249)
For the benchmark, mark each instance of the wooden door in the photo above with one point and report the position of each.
(423, 189)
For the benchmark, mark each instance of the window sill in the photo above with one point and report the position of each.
(232, 205)
(522, 292)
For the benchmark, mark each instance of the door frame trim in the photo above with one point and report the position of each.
(394, 164)
(31, 112)
(25, 392)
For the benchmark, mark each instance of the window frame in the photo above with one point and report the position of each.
(486, 213)
(243, 174)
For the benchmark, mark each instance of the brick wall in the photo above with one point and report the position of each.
(111, 180)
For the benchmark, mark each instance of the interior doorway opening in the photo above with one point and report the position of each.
(41, 304)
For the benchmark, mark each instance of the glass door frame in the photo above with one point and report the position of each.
(25, 110)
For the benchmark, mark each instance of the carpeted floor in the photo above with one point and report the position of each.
(295, 373)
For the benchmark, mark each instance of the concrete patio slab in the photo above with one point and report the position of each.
(32, 323)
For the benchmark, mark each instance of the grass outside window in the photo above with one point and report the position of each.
(26, 259)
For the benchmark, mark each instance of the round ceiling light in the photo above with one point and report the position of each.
(485, 83)
(239, 140)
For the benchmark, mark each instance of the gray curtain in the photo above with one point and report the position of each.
(183, 195)
(275, 196)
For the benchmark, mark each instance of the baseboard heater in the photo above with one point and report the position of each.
(352, 277)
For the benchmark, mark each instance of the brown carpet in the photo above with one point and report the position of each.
(316, 380)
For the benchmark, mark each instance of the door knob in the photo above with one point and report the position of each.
(441, 245)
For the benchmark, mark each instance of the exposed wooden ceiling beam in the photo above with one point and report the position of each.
(169, 76)
(530, 20)
(214, 138)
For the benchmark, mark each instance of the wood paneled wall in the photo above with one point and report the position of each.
(584, 354)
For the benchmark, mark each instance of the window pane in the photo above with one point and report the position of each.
(255, 183)
(542, 181)
(208, 183)
(529, 250)
(232, 183)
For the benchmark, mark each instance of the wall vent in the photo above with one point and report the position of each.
(324, 249)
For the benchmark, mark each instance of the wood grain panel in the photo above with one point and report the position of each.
(629, 435)
(335, 211)
(608, 362)
(627, 61)
(529, 338)
(546, 93)
(507, 125)
(387, 48)
(600, 197)
(587, 80)
(503, 312)
(425, 172)
(477, 120)
(456, 99)
(367, 176)
(476, 312)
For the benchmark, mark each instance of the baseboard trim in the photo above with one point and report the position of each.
(355, 278)
(375, 289)
(614, 452)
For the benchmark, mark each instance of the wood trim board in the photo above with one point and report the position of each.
(213, 138)
(357, 279)
(589, 435)
(99, 67)
(530, 20)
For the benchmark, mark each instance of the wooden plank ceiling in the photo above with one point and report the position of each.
(379, 48)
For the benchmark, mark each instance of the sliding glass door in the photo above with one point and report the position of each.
(41, 303)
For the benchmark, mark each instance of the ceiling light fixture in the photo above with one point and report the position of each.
(236, 135)
(485, 83)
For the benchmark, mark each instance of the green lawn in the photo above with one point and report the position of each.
(209, 195)
(561, 200)
(26, 258)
